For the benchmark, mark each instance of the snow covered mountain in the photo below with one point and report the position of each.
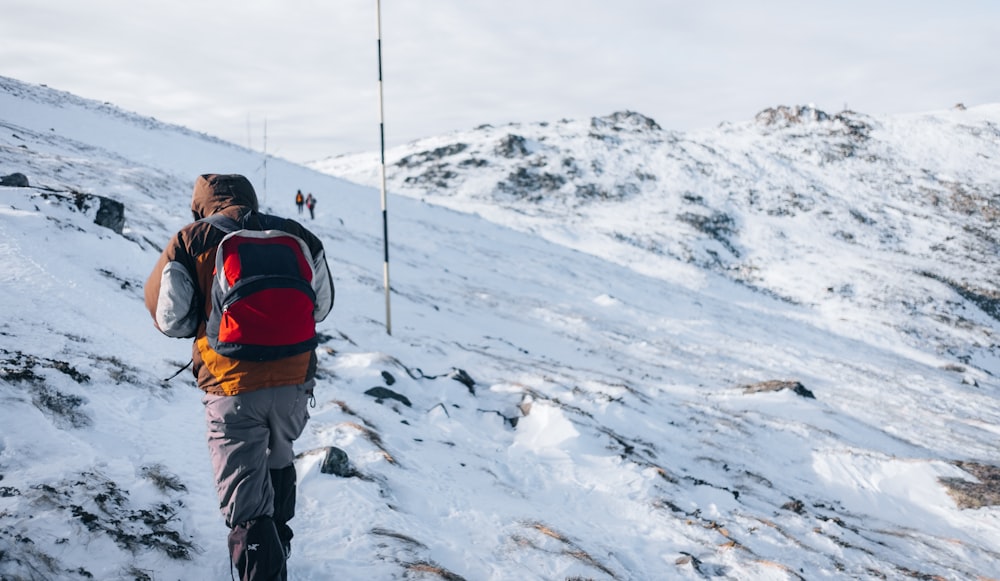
(878, 222)
(755, 352)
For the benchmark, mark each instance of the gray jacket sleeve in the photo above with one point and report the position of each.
(176, 308)
(323, 286)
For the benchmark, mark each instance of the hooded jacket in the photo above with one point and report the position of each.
(178, 290)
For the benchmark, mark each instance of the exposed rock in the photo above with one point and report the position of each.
(432, 155)
(846, 124)
(718, 225)
(110, 214)
(527, 183)
(96, 507)
(383, 393)
(856, 125)
(624, 121)
(462, 377)
(336, 462)
(969, 494)
(437, 175)
(795, 505)
(512, 146)
(591, 192)
(473, 162)
(784, 116)
(778, 385)
(987, 300)
(14, 180)
(162, 479)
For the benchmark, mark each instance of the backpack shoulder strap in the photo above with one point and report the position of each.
(271, 222)
(222, 222)
(228, 225)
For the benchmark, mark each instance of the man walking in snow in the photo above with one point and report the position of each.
(311, 204)
(299, 200)
(255, 406)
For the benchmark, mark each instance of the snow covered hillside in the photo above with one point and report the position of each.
(650, 356)
(875, 225)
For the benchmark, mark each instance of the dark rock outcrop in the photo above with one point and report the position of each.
(15, 180)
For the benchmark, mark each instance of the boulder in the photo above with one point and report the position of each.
(383, 393)
(14, 180)
(110, 214)
(336, 462)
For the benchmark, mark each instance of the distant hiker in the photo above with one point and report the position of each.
(311, 204)
(256, 391)
(299, 200)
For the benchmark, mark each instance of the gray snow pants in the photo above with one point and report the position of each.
(250, 435)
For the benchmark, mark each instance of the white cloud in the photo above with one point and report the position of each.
(310, 66)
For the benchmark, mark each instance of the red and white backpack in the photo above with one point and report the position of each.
(262, 295)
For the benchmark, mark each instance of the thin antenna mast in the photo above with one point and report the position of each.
(381, 130)
(265, 160)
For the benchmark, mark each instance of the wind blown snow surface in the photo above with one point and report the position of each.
(756, 352)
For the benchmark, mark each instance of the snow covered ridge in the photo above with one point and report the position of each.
(55, 99)
(841, 212)
(631, 411)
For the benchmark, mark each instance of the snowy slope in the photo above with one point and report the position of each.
(875, 223)
(578, 409)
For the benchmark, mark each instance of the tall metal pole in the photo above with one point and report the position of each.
(265, 160)
(381, 130)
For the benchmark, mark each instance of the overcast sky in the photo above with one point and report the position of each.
(309, 67)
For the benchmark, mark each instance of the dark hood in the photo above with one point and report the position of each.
(214, 192)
